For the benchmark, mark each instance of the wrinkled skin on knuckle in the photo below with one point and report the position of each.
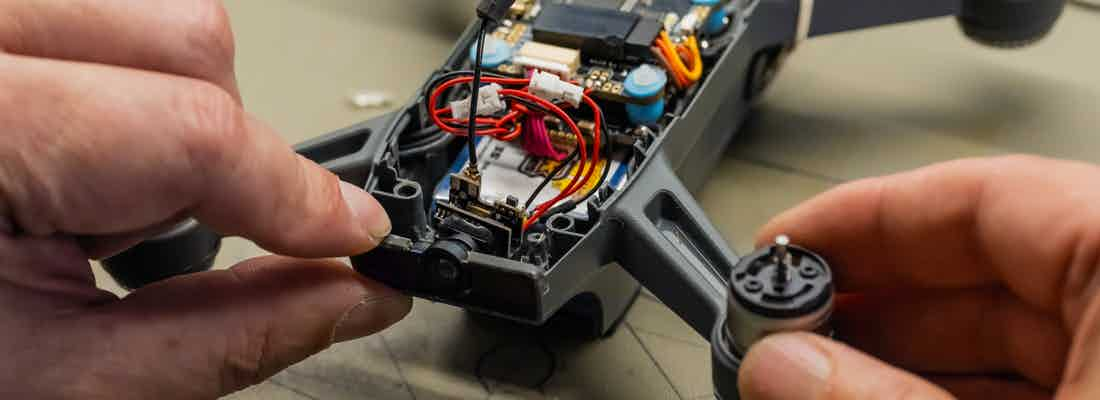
(31, 145)
(209, 37)
(213, 128)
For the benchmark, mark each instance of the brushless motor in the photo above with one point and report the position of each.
(779, 288)
(776, 289)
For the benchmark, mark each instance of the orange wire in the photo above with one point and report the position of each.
(685, 73)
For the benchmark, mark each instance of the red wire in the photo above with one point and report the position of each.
(570, 189)
(499, 131)
(572, 126)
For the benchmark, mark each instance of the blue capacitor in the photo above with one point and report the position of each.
(496, 52)
(716, 22)
(644, 82)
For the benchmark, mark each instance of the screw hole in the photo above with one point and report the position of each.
(562, 223)
(407, 190)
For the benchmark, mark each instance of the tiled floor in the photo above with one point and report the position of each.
(846, 106)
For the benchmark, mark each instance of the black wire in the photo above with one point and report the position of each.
(549, 178)
(603, 178)
(475, 87)
(569, 205)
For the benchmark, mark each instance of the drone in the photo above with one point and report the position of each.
(546, 168)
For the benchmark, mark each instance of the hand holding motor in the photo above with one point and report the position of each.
(974, 279)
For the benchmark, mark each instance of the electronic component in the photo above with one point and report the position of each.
(559, 60)
(641, 38)
(521, 8)
(551, 88)
(604, 83)
(494, 10)
(561, 138)
(694, 19)
(718, 18)
(779, 288)
(646, 81)
(508, 170)
(497, 51)
(597, 32)
(511, 33)
(489, 102)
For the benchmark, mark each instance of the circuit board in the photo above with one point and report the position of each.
(573, 87)
(604, 74)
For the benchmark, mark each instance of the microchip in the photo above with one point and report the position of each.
(597, 32)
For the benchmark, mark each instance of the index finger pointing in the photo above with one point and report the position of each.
(1028, 223)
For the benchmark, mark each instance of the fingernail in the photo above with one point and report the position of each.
(367, 211)
(371, 315)
(785, 367)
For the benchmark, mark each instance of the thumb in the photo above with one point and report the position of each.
(212, 333)
(802, 366)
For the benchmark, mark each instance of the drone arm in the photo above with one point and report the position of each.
(1000, 23)
(671, 248)
(832, 16)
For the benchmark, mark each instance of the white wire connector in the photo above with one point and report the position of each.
(489, 102)
(551, 88)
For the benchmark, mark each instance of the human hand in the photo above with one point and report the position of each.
(121, 118)
(973, 279)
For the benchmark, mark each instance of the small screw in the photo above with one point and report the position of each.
(753, 286)
(809, 272)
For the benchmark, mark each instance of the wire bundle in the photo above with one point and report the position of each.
(673, 56)
(524, 108)
(537, 138)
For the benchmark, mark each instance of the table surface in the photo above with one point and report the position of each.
(846, 106)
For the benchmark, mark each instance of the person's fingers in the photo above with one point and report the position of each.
(40, 275)
(100, 247)
(955, 331)
(989, 388)
(99, 150)
(1080, 381)
(208, 334)
(189, 38)
(803, 366)
(1028, 222)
